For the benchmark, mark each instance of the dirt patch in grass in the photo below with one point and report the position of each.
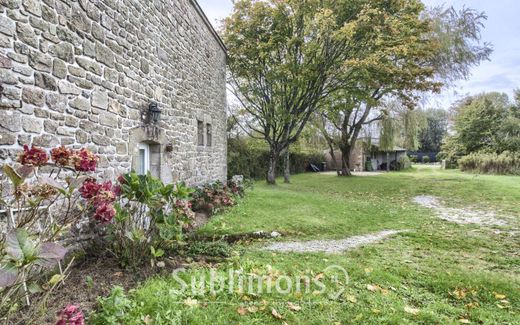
(460, 215)
(87, 280)
(331, 246)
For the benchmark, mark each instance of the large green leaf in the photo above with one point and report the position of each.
(25, 171)
(50, 254)
(75, 183)
(8, 275)
(19, 246)
(13, 175)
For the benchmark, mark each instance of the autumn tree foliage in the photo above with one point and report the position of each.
(287, 57)
(440, 47)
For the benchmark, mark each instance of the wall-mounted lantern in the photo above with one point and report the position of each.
(154, 112)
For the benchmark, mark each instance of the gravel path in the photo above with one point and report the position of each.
(460, 215)
(331, 246)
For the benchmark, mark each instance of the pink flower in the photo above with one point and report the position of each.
(85, 161)
(106, 194)
(62, 156)
(121, 179)
(117, 190)
(105, 213)
(33, 157)
(71, 315)
(101, 196)
(89, 189)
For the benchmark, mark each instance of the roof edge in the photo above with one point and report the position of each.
(208, 24)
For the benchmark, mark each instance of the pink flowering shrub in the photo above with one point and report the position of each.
(84, 161)
(71, 315)
(33, 157)
(35, 187)
(212, 197)
(101, 197)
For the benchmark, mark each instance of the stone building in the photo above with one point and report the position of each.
(363, 159)
(88, 73)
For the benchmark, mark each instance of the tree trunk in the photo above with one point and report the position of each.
(287, 169)
(335, 164)
(345, 161)
(388, 161)
(271, 172)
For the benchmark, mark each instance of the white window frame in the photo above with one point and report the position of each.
(146, 148)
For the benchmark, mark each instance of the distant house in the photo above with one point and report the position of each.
(367, 156)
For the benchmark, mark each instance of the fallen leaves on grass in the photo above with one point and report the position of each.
(352, 299)
(499, 296)
(276, 314)
(373, 287)
(464, 321)
(191, 302)
(411, 310)
(293, 307)
(459, 293)
(242, 311)
(376, 288)
(147, 320)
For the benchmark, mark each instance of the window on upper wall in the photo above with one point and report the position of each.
(209, 137)
(200, 133)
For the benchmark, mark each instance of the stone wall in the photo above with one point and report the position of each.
(82, 73)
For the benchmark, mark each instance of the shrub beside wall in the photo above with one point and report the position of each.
(506, 163)
(404, 163)
(253, 162)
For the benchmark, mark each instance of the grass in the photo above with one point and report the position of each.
(435, 273)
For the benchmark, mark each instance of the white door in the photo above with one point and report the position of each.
(143, 165)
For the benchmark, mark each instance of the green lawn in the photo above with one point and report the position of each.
(435, 273)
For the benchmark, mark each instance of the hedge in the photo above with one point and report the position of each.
(253, 162)
(506, 163)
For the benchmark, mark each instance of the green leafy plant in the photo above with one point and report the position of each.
(426, 159)
(404, 163)
(212, 249)
(506, 163)
(150, 217)
(114, 309)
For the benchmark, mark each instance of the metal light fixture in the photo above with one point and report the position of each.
(154, 112)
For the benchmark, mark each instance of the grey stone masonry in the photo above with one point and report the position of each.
(82, 73)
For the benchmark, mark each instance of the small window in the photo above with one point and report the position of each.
(209, 137)
(143, 166)
(200, 133)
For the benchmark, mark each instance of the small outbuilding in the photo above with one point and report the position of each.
(367, 156)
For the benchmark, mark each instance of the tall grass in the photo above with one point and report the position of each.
(506, 163)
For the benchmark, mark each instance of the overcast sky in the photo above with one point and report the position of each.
(501, 74)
